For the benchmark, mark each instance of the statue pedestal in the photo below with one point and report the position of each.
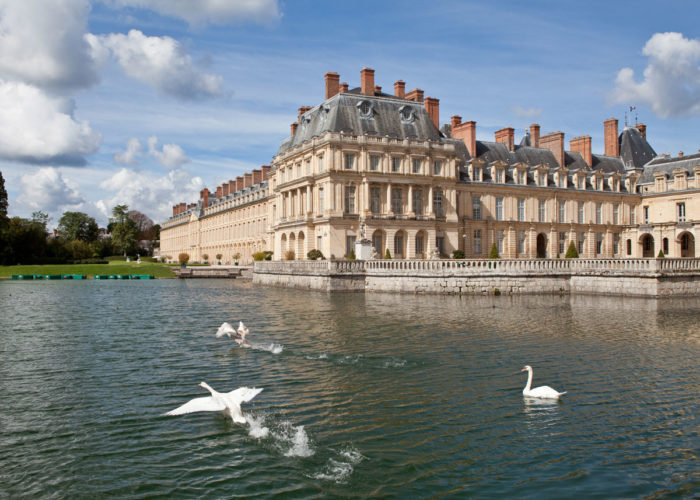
(363, 249)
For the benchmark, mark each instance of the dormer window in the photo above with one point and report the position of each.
(522, 177)
(437, 167)
(365, 109)
(498, 175)
(476, 173)
(406, 114)
(542, 179)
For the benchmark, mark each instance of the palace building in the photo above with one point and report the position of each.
(365, 164)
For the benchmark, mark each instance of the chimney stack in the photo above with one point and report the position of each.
(231, 186)
(247, 180)
(415, 95)
(432, 106)
(466, 132)
(294, 127)
(612, 144)
(507, 137)
(239, 183)
(332, 87)
(535, 135)
(642, 130)
(344, 87)
(582, 145)
(219, 191)
(555, 143)
(266, 171)
(400, 89)
(257, 176)
(455, 121)
(367, 78)
(224, 189)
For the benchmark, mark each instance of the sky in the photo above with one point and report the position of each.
(145, 102)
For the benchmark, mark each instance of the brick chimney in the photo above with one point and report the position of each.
(247, 180)
(344, 87)
(400, 89)
(302, 110)
(266, 171)
(219, 191)
(582, 145)
(555, 143)
(367, 78)
(535, 135)
(257, 176)
(231, 186)
(239, 183)
(183, 207)
(174, 210)
(642, 130)
(612, 144)
(224, 190)
(332, 87)
(415, 95)
(294, 127)
(432, 106)
(455, 121)
(466, 132)
(507, 137)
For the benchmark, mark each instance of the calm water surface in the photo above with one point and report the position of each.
(364, 395)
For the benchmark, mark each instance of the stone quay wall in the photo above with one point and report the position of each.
(638, 277)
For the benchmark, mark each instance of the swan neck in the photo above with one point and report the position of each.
(207, 387)
(529, 380)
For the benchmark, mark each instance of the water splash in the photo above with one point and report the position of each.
(257, 429)
(273, 348)
(339, 469)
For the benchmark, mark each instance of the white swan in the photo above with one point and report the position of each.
(229, 402)
(242, 331)
(237, 335)
(225, 329)
(543, 392)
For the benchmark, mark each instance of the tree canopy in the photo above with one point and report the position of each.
(78, 226)
(124, 229)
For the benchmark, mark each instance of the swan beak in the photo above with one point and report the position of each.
(523, 370)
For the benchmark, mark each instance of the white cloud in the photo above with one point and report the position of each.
(42, 44)
(38, 128)
(171, 156)
(671, 84)
(48, 191)
(133, 150)
(148, 193)
(160, 62)
(531, 113)
(198, 12)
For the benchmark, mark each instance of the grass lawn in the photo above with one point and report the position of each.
(114, 267)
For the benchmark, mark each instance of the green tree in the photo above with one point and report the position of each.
(25, 242)
(571, 252)
(3, 203)
(78, 226)
(144, 225)
(387, 255)
(493, 254)
(42, 218)
(124, 230)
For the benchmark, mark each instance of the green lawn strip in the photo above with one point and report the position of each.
(116, 267)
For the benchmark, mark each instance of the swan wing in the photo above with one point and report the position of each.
(225, 329)
(243, 395)
(198, 404)
(544, 392)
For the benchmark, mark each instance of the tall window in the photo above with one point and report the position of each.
(542, 179)
(521, 177)
(581, 182)
(498, 175)
(581, 242)
(521, 209)
(562, 242)
(499, 208)
(646, 214)
(319, 242)
(419, 245)
(616, 214)
(562, 181)
(349, 245)
(580, 212)
(521, 242)
(321, 164)
(477, 241)
(396, 201)
(476, 207)
(349, 162)
(542, 210)
(437, 167)
(499, 241)
(398, 245)
(308, 167)
(437, 203)
(633, 215)
(477, 173)
(320, 201)
(374, 162)
(680, 207)
(418, 201)
(396, 164)
(440, 244)
(598, 243)
(562, 211)
(350, 199)
(598, 213)
(616, 243)
(377, 242)
(416, 166)
(375, 195)
(598, 183)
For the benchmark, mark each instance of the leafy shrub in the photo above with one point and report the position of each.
(493, 254)
(387, 255)
(258, 256)
(183, 258)
(218, 256)
(205, 257)
(661, 255)
(314, 254)
(289, 255)
(458, 254)
(571, 252)
(352, 255)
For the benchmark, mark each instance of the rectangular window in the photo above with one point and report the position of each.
(321, 164)
(308, 167)
(562, 181)
(562, 211)
(396, 201)
(598, 213)
(498, 175)
(418, 201)
(616, 214)
(419, 245)
(521, 177)
(349, 162)
(633, 216)
(580, 212)
(499, 208)
(416, 166)
(374, 163)
(499, 242)
(681, 211)
(398, 246)
(521, 242)
(598, 243)
(616, 243)
(476, 207)
(320, 201)
(646, 214)
(319, 242)
(440, 245)
(542, 210)
(581, 182)
(581, 242)
(377, 243)
(396, 164)
(437, 168)
(349, 245)
(542, 179)
(477, 241)
(562, 243)
(477, 173)
(437, 203)
(521, 209)
(599, 183)
(350, 199)
(375, 195)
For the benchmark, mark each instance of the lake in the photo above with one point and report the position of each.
(365, 395)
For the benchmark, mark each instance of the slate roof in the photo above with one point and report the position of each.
(635, 151)
(668, 165)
